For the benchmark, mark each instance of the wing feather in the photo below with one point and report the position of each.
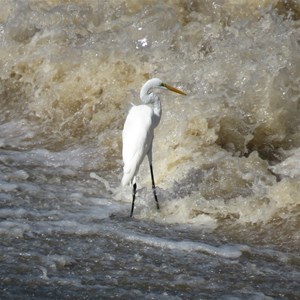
(137, 138)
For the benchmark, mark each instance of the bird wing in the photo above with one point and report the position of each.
(137, 139)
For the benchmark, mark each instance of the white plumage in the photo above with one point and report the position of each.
(137, 140)
(138, 133)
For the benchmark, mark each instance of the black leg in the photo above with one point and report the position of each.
(133, 198)
(153, 186)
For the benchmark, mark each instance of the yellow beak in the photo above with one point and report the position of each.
(173, 89)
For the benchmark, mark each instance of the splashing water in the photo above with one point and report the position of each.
(225, 157)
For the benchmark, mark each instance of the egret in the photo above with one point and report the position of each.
(138, 134)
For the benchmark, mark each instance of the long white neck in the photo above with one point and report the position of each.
(157, 109)
(152, 99)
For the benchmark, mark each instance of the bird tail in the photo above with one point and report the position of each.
(126, 179)
(129, 173)
(128, 176)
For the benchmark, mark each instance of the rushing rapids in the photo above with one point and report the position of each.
(226, 157)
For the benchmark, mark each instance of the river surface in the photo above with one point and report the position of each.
(225, 157)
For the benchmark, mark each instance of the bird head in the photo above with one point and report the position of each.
(153, 83)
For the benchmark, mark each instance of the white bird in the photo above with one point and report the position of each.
(138, 134)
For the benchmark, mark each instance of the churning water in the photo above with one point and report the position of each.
(226, 157)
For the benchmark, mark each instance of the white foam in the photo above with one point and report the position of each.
(44, 273)
(290, 166)
(20, 174)
(58, 260)
(72, 158)
(13, 229)
(102, 180)
(7, 187)
(10, 212)
(227, 251)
